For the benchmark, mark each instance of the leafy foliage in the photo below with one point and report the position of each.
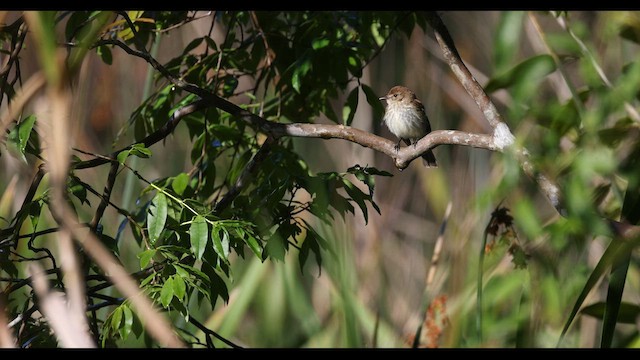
(299, 64)
(191, 234)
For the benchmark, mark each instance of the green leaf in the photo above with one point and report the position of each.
(167, 292)
(193, 44)
(276, 247)
(295, 81)
(358, 196)
(87, 35)
(78, 189)
(627, 314)
(614, 299)
(218, 285)
(507, 39)
(319, 43)
(354, 66)
(310, 243)
(127, 316)
(254, 245)
(122, 156)
(616, 251)
(301, 68)
(191, 270)
(77, 19)
(179, 287)
(179, 183)
(199, 234)
(116, 318)
(349, 110)
(137, 327)
(612, 136)
(630, 27)
(375, 31)
(19, 135)
(221, 246)
(140, 150)
(526, 72)
(182, 272)
(376, 104)
(157, 216)
(145, 257)
(105, 54)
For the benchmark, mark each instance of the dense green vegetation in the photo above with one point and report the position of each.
(164, 139)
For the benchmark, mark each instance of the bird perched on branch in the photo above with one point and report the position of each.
(405, 117)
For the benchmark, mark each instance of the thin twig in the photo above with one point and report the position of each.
(242, 180)
(208, 331)
(132, 26)
(111, 179)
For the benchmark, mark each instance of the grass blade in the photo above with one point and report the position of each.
(614, 298)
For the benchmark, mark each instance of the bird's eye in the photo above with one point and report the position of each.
(395, 95)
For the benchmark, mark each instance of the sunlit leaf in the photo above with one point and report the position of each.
(350, 107)
(167, 292)
(180, 182)
(319, 43)
(19, 135)
(157, 216)
(145, 257)
(179, 287)
(199, 235)
(127, 317)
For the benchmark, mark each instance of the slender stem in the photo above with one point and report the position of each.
(127, 193)
(479, 288)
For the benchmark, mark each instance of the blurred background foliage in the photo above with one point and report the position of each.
(329, 245)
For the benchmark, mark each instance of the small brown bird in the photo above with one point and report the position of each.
(405, 117)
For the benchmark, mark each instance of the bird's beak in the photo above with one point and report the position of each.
(382, 98)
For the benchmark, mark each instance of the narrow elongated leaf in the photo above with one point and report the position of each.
(179, 287)
(199, 234)
(349, 110)
(127, 317)
(116, 318)
(373, 100)
(612, 255)
(507, 39)
(225, 244)
(167, 292)
(357, 196)
(254, 245)
(157, 216)
(533, 68)
(628, 313)
(614, 298)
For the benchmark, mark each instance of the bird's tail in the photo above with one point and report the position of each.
(429, 160)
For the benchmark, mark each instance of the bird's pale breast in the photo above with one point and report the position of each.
(403, 121)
